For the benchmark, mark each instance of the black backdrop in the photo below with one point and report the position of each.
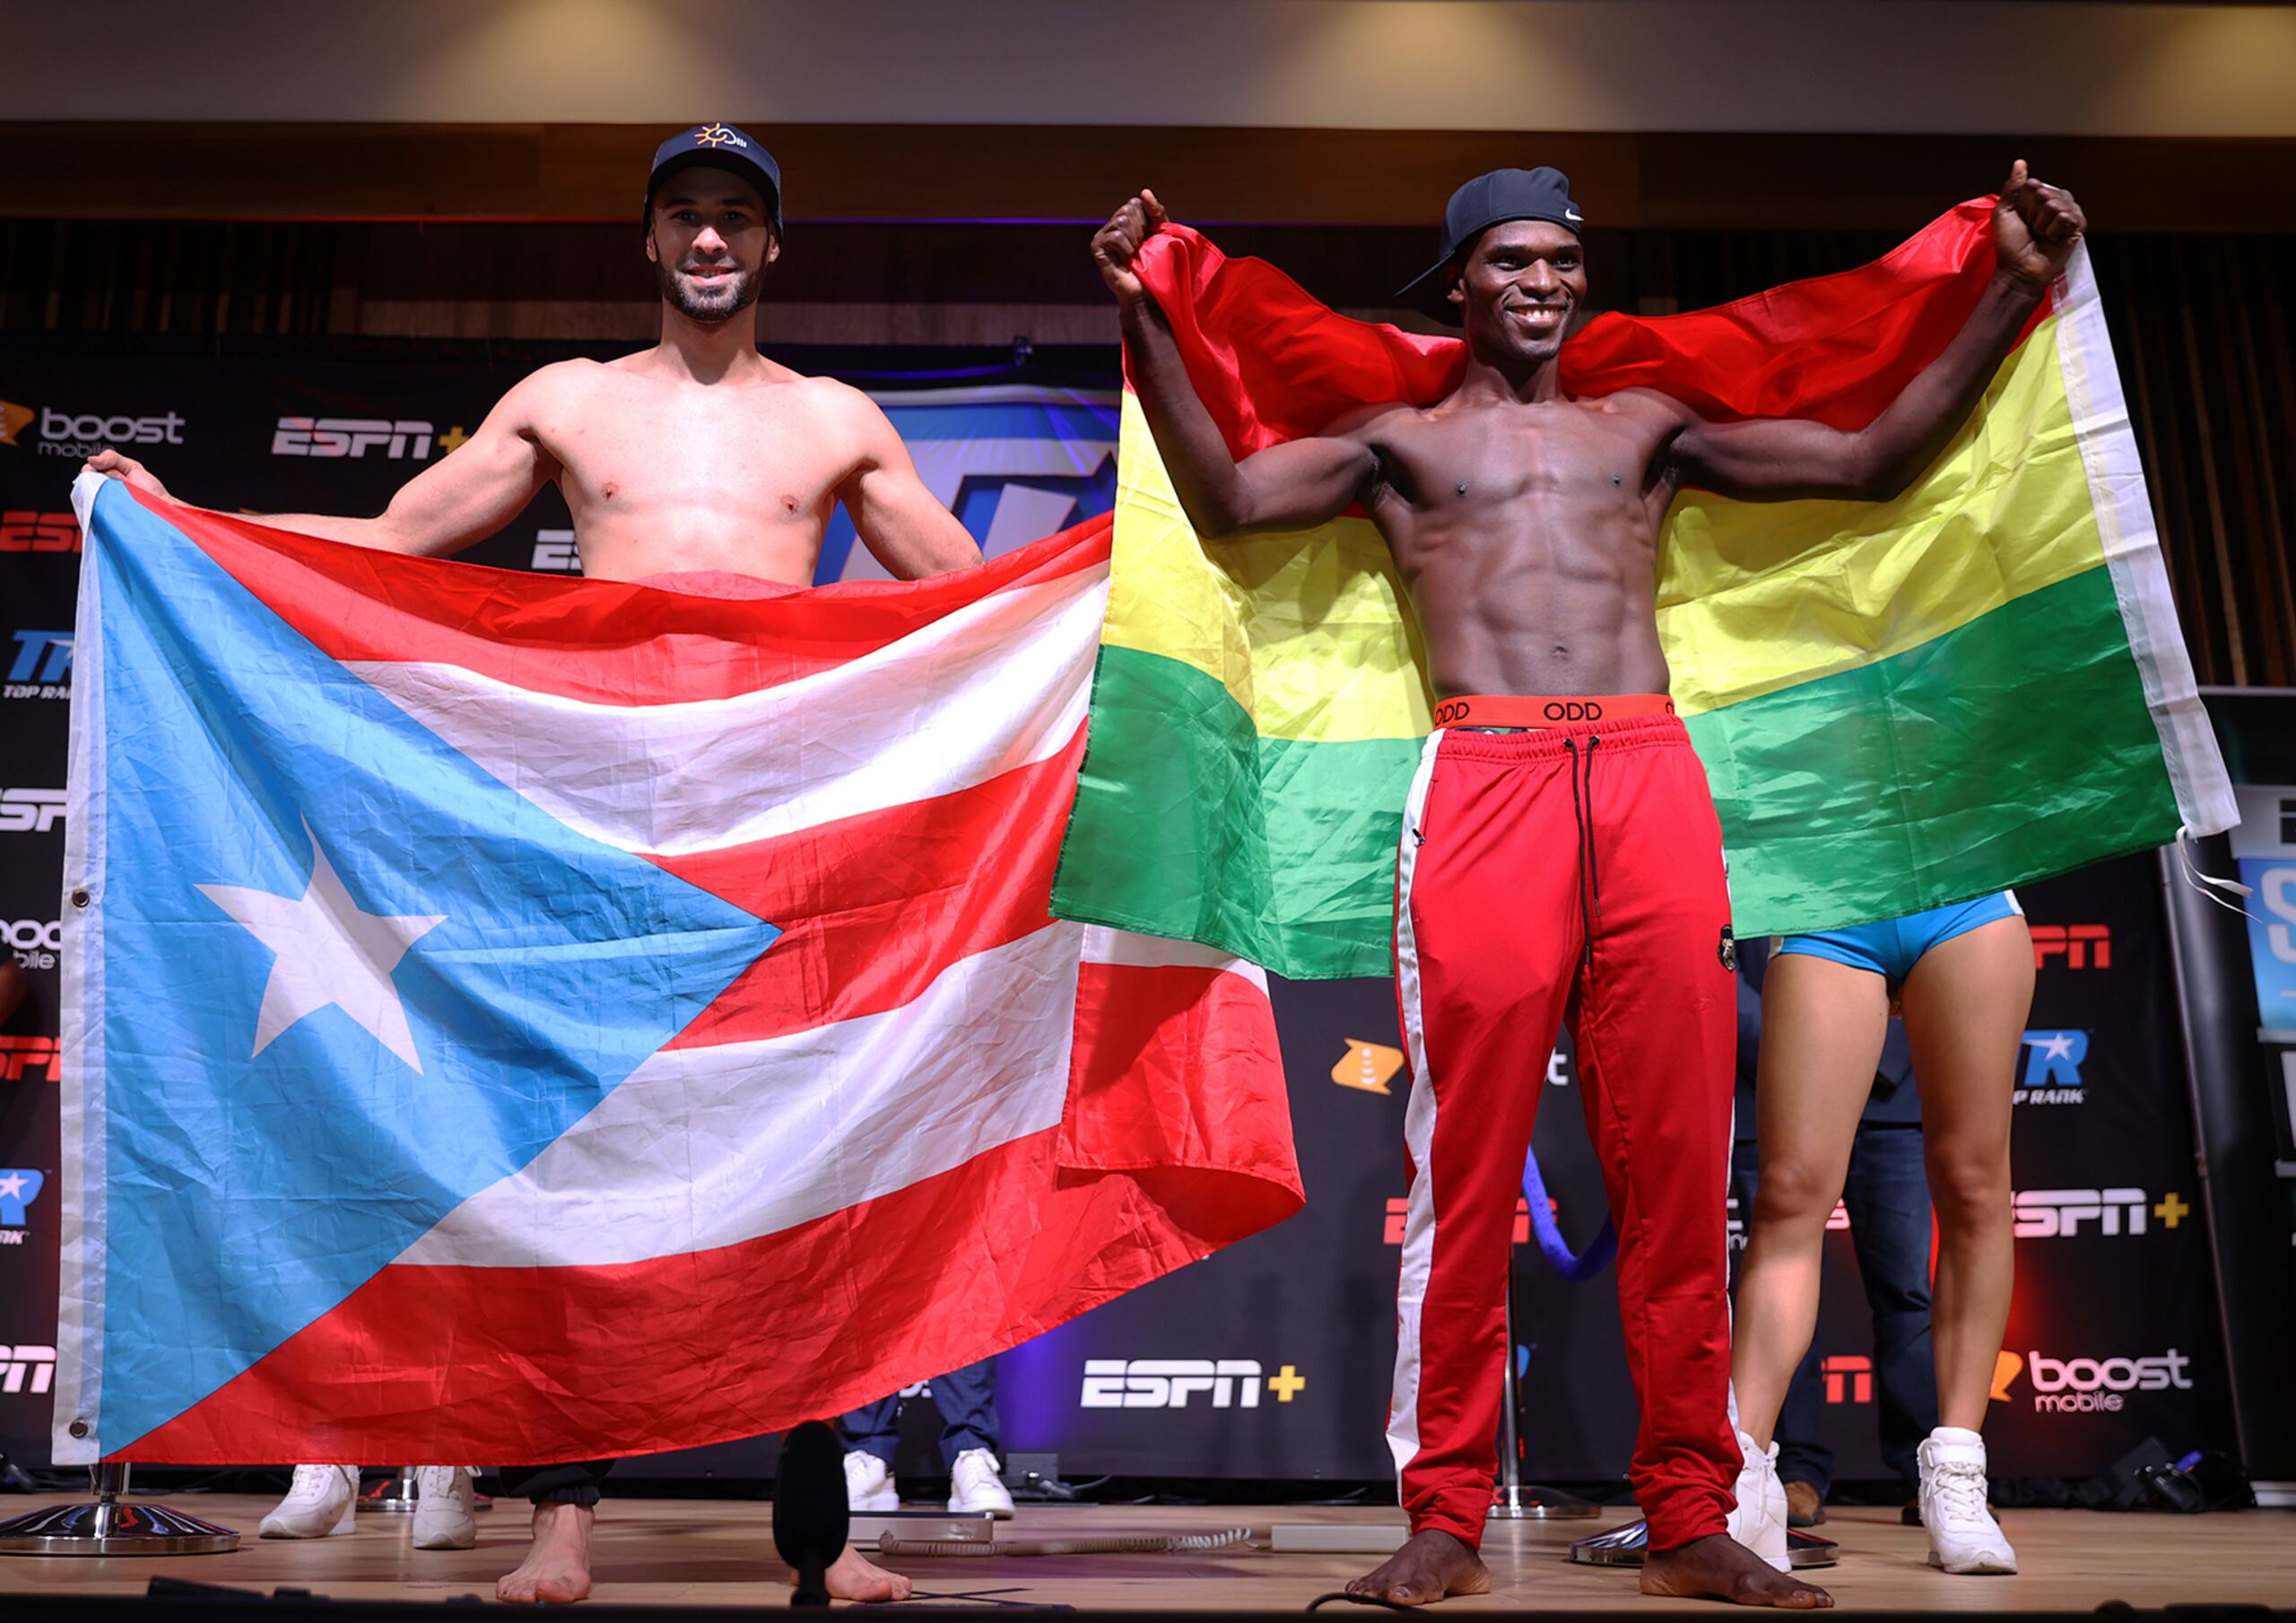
(1282, 1344)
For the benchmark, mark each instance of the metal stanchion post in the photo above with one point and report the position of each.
(1514, 1502)
(395, 1497)
(112, 1527)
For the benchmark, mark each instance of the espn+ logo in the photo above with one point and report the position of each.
(2089, 1385)
(27, 1369)
(1174, 1383)
(352, 437)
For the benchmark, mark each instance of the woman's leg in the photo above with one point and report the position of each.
(1965, 1006)
(1821, 1029)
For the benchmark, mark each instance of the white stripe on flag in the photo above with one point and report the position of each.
(1103, 945)
(707, 1146)
(997, 684)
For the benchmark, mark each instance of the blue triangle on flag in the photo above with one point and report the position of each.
(243, 1193)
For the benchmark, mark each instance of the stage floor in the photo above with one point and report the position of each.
(716, 1552)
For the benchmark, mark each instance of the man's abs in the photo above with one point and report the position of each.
(1510, 627)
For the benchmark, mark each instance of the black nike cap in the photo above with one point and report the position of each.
(721, 146)
(1484, 202)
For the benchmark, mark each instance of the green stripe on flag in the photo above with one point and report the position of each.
(1993, 755)
(1185, 818)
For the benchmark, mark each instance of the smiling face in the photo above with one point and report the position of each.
(710, 241)
(1516, 287)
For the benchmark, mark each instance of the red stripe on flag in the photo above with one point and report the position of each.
(1272, 364)
(872, 907)
(609, 642)
(539, 1365)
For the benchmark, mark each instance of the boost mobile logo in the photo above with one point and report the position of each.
(1171, 1382)
(72, 434)
(2089, 1385)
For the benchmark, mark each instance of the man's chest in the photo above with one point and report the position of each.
(644, 448)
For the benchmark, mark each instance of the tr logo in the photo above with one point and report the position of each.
(20, 1186)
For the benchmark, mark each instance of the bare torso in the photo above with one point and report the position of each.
(1527, 533)
(666, 474)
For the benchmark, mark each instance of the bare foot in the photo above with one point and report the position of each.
(1430, 1565)
(558, 1568)
(1718, 1567)
(851, 1578)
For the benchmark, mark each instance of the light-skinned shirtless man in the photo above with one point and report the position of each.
(699, 465)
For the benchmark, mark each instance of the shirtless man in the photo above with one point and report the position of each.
(1561, 856)
(698, 464)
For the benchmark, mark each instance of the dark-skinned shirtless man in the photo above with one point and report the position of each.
(1560, 857)
(697, 464)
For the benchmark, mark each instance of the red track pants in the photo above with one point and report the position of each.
(1574, 873)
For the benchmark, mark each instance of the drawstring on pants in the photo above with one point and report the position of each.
(1582, 803)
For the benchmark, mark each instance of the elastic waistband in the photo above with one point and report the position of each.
(1462, 741)
(1540, 710)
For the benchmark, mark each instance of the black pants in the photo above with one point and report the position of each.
(575, 1484)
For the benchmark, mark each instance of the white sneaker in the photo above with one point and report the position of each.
(322, 1501)
(443, 1504)
(1758, 1523)
(1963, 1536)
(869, 1482)
(976, 1484)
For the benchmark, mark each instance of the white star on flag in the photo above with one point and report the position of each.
(329, 951)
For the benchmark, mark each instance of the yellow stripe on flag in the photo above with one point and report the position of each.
(1753, 597)
(1309, 631)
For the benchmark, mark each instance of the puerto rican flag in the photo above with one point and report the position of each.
(520, 1019)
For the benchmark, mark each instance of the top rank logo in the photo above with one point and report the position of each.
(41, 667)
(2052, 1071)
(20, 1186)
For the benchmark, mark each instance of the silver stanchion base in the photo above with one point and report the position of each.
(395, 1496)
(110, 1528)
(1626, 1546)
(1539, 1504)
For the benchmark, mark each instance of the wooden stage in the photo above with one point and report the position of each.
(689, 1553)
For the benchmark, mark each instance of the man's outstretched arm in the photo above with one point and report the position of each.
(2034, 227)
(456, 502)
(1286, 487)
(902, 522)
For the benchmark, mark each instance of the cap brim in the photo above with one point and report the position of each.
(1431, 295)
(753, 172)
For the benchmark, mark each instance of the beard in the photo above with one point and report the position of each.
(712, 304)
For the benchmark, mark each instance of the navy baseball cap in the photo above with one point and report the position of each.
(723, 147)
(1484, 202)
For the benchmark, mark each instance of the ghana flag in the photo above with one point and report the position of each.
(1899, 704)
